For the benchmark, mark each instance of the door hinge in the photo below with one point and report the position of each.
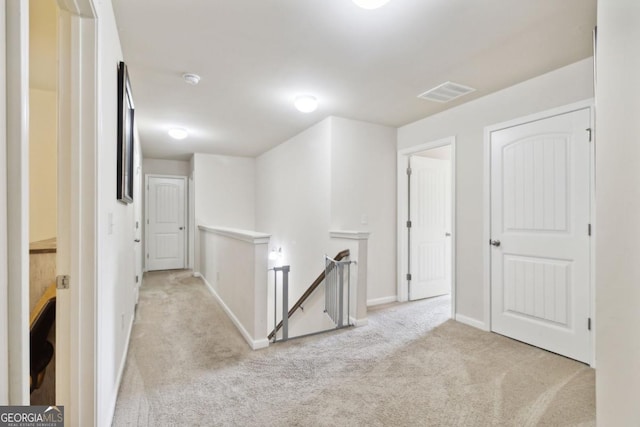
(147, 221)
(409, 224)
(62, 282)
(589, 130)
(147, 256)
(137, 278)
(409, 171)
(408, 276)
(589, 323)
(589, 229)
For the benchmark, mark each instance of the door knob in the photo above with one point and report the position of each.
(447, 234)
(137, 240)
(494, 242)
(181, 228)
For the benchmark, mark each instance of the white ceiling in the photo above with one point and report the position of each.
(254, 56)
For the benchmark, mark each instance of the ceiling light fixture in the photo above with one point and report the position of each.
(178, 133)
(306, 103)
(370, 4)
(190, 78)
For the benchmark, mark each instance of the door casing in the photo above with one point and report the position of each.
(589, 103)
(4, 309)
(402, 199)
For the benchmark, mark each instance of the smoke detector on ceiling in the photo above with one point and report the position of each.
(190, 78)
(446, 92)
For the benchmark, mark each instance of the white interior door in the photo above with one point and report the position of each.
(430, 214)
(540, 215)
(166, 222)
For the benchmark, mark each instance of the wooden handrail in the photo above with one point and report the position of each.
(341, 255)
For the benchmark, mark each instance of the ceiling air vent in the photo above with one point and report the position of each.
(446, 92)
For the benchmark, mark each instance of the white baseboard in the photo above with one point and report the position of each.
(123, 361)
(358, 322)
(254, 344)
(380, 301)
(197, 274)
(471, 322)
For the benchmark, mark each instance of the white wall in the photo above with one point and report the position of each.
(337, 175)
(43, 155)
(293, 184)
(467, 122)
(224, 193)
(363, 194)
(166, 167)
(115, 285)
(234, 266)
(617, 213)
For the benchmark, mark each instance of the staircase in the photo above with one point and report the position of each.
(334, 292)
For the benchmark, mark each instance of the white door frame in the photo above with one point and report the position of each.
(403, 158)
(77, 250)
(589, 103)
(146, 215)
(17, 197)
(77, 239)
(4, 315)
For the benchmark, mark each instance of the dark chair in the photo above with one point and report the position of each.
(41, 349)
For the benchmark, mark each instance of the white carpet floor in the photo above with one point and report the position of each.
(411, 366)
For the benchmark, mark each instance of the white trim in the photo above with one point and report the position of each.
(594, 235)
(78, 241)
(185, 260)
(380, 301)
(486, 211)
(402, 196)
(64, 225)
(4, 316)
(565, 109)
(112, 403)
(471, 322)
(253, 237)
(488, 130)
(254, 344)
(351, 235)
(17, 171)
(197, 274)
(85, 238)
(358, 322)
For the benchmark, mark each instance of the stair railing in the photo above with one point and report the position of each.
(335, 290)
(285, 294)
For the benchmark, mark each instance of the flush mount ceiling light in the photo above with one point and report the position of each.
(306, 103)
(370, 4)
(190, 78)
(178, 133)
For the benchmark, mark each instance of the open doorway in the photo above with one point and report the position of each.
(76, 216)
(426, 238)
(43, 195)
